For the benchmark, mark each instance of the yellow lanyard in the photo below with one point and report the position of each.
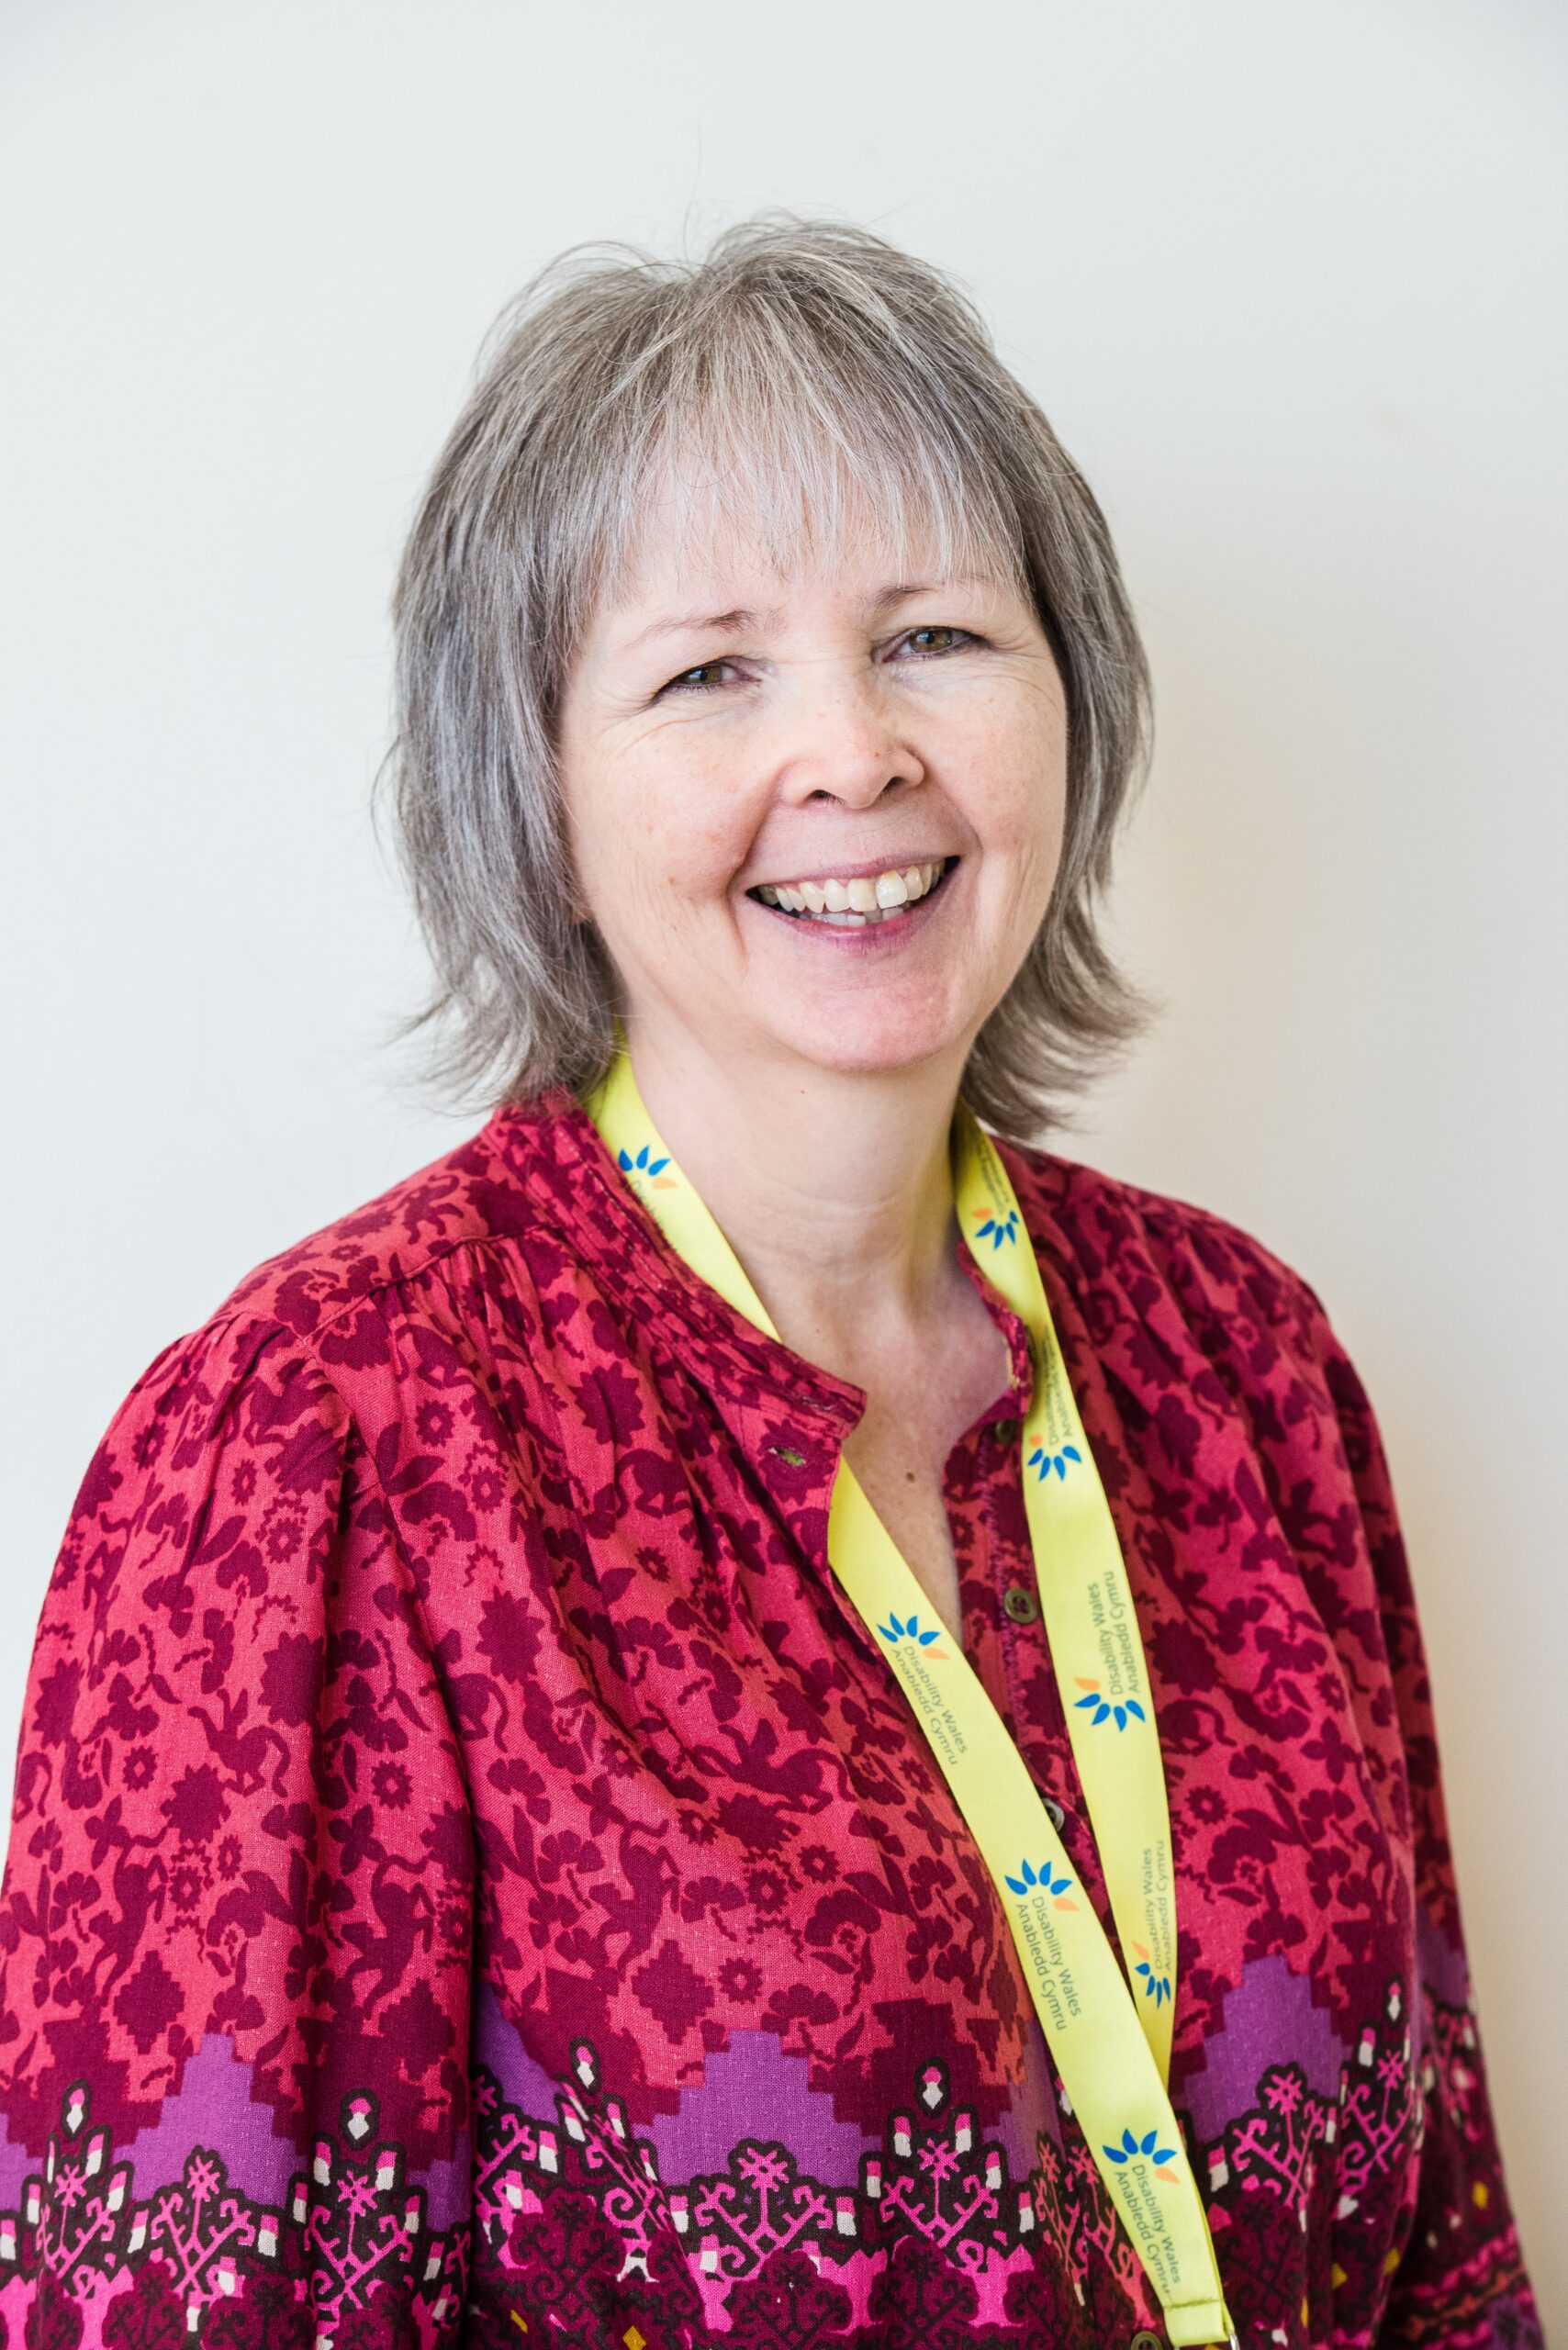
(1109, 2034)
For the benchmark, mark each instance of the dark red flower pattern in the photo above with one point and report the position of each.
(471, 1875)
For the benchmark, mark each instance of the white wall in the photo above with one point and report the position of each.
(1289, 282)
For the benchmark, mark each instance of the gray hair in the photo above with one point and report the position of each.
(819, 373)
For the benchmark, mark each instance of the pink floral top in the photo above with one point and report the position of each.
(473, 1879)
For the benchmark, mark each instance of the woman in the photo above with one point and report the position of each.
(737, 1713)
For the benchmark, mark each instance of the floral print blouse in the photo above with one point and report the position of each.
(472, 1879)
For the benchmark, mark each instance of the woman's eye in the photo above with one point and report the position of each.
(702, 679)
(936, 639)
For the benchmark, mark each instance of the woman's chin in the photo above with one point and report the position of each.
(855, 1045)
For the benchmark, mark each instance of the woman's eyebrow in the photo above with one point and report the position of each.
(740, 617)
(703, 623)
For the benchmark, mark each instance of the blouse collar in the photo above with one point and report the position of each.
(553, 1146)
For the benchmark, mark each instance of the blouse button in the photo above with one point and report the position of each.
(1019, 1604)
(1054, 1812)
(1144, 2340)
(1004, 1431)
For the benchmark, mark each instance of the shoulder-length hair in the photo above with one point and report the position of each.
(810, 373)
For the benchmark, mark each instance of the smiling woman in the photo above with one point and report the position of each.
(792, 488)
(754, 1708)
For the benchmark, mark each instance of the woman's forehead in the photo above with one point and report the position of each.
(734, 562)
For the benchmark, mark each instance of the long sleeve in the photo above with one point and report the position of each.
(235, 1919)
(1460, 2281)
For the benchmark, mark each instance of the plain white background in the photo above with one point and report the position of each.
(1289, 283)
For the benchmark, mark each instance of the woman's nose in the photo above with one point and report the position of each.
(840, 740)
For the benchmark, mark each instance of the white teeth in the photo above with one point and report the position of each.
(869, 897)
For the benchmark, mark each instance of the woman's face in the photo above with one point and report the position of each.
(816, 813)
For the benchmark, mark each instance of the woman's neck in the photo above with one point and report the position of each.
(834, 1190)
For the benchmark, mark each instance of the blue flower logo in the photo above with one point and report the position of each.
(1155, 1987)
(651, 1169)
(996, 1228)
(895, 1630)
(1043, 1880)
(1103, 1709)
(1131, 2147)
(1043, 1462)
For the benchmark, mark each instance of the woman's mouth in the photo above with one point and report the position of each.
(860, 902)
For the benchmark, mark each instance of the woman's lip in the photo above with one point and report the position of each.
(862, 868)
(868, 937)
